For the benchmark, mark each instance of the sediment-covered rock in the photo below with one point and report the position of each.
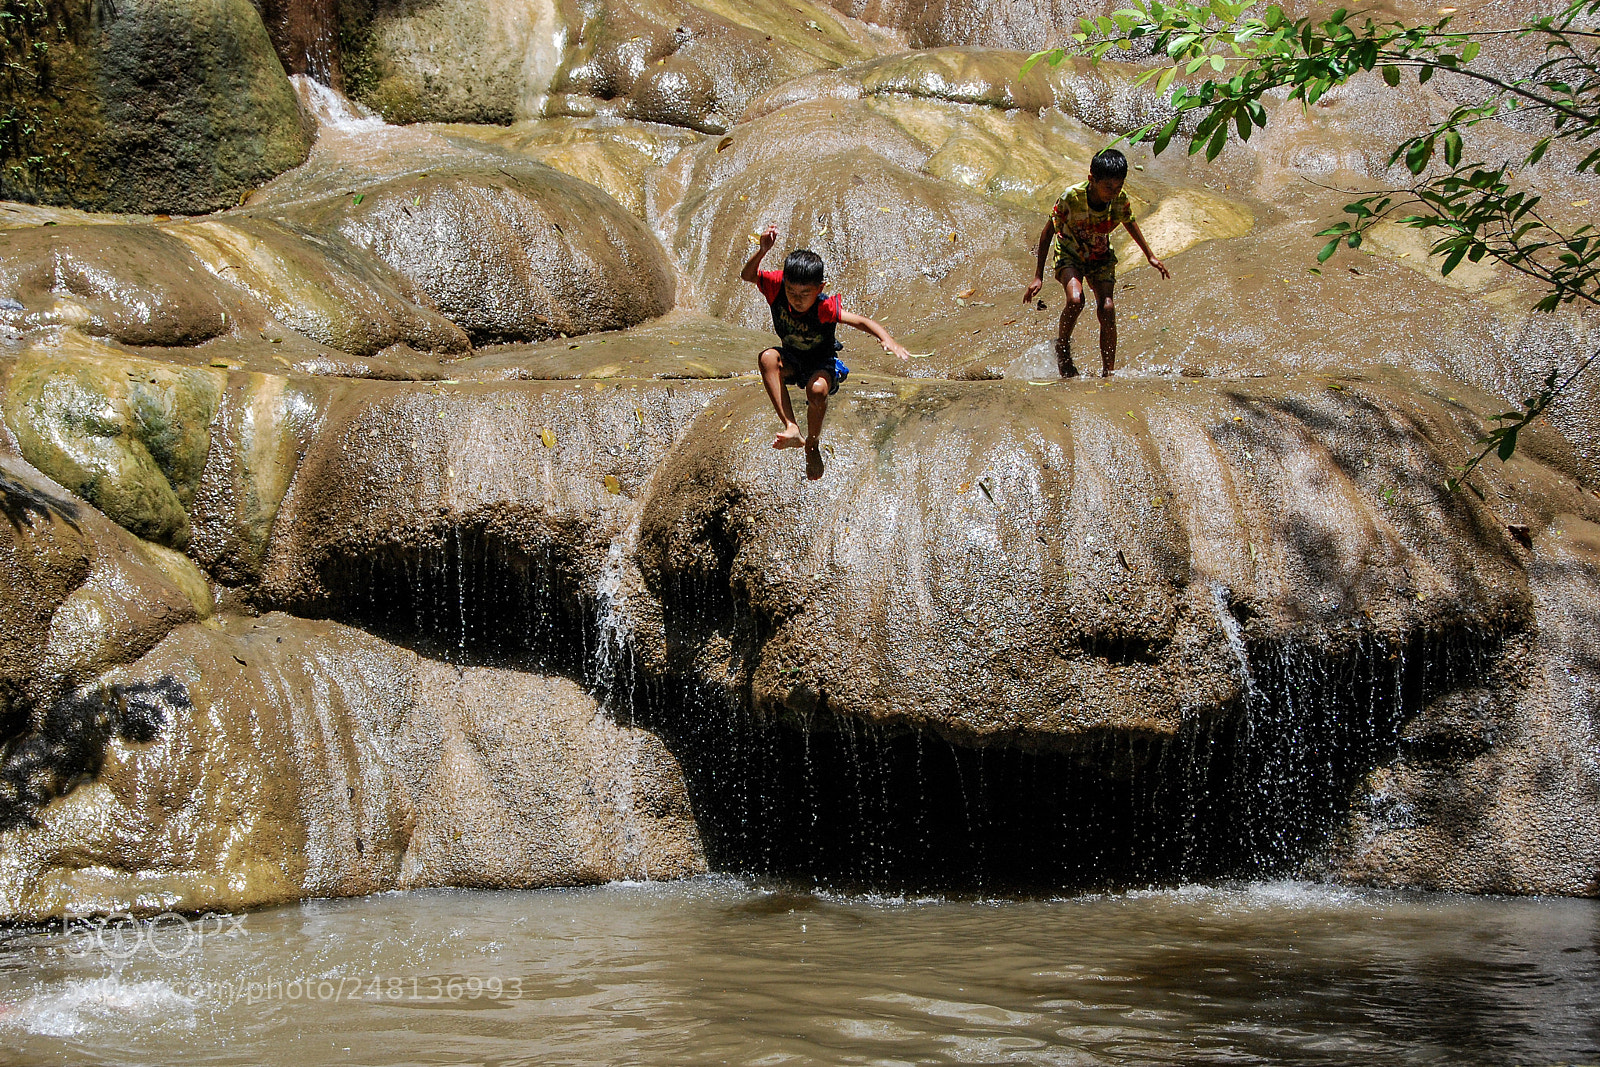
(501, 499)
(1493, 789)
(128, 435)
(320, 287)
(514, 253)
(274, 759)
(134, 284)
(79, 597)
(1009, 560)
(687, 64)
(151, 105)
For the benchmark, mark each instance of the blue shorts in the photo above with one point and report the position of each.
(799, 368)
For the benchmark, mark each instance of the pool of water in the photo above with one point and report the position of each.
(718, 970)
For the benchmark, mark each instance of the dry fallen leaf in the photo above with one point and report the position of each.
(966, 293)
(548, 438)
(613, 484)
(1581, 203)
(724, 144)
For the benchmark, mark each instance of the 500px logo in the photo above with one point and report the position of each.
(169, 935)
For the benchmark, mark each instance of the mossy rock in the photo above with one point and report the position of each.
(176, 106)
(128, 435)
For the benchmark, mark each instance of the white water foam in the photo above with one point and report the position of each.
(1037, 362)
(81, 1006)
(332, 109)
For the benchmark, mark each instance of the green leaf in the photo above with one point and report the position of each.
(1470, 52)
(1052, 56)
(1508, 443)
(1452, 149)
(1423, 75)
(1217, 63)
(1218, 139)
(1165, 81)
(1391, 75)
(1164, 136)
(1241, 122)
(359, 197)
(1418, 154)
(1328, 250)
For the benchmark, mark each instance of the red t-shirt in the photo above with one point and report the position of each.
(811, 333)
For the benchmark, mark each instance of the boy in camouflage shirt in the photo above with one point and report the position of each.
(1081, 224)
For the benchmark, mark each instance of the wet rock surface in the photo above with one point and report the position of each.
(153, 105)
(279, 759)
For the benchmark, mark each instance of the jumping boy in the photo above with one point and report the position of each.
(805, 321)
(1081, 224)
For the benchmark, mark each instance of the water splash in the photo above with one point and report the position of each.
(102, 1003)
(333, 110)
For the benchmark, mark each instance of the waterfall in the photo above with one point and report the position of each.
(333, 110)
(1222, 597)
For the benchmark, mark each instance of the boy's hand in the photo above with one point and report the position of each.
(1160, 266)
(1033, 289)
(897, 348)
(769, 237)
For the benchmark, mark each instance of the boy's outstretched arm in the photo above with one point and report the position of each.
(1034, 286)
(1133, 228)
(866, 325)
(752, 266)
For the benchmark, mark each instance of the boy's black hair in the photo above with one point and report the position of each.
(1108, 164)
(803, 267)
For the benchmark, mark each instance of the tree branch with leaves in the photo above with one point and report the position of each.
(1229, 60)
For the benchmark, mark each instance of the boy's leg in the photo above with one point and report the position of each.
(816, 409)
(1071, 281)
(1106, 311)
(771, 363)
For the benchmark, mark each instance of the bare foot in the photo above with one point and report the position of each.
(789, 438)
(1064, 359)
(814, 468)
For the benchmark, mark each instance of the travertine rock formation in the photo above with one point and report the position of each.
(323, 599)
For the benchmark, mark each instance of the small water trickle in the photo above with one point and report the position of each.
(610, 665)
(333, 110)
(1222, 597)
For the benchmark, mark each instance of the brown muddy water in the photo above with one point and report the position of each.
(717, 970)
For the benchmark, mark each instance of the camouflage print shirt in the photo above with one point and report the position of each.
(1082, 233)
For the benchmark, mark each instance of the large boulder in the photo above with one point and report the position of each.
(1189, 629)
(128, 435)
(321, 287)
(79, 596)
(132, 283)
(672, 61)
(514, 253)
(1013, 560)
(268, 760)
(471, 514)
(153, 106)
